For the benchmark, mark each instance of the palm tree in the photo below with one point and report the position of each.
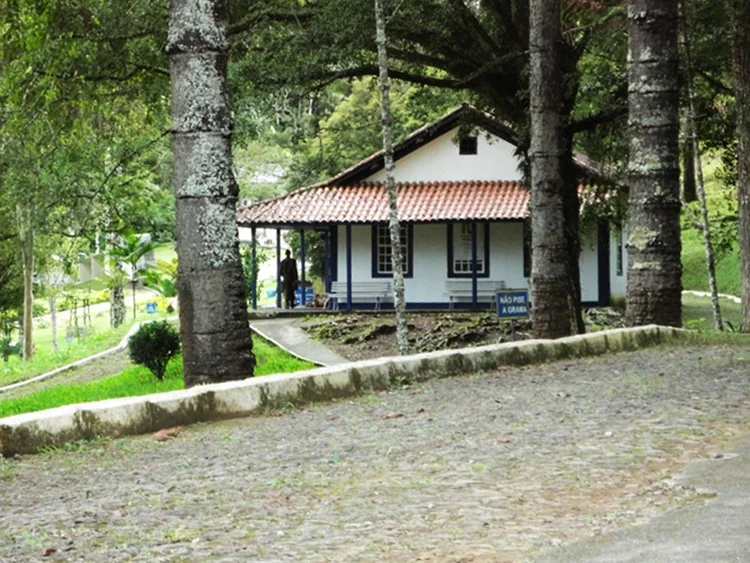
(128, 250)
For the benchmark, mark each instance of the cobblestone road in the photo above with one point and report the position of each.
(491, 467)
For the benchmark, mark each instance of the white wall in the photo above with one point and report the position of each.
(431, 258)
(617, 283)
(439, 161)
(589, 267)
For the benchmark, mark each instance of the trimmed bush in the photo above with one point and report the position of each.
(153, 346)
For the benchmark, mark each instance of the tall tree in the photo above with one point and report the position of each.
(214, 327)
(549, 270)
(394, 225)
(741, 69)
(654, 267)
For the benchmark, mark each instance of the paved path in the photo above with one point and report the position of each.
(284, 333)
(480, 469)
(717, 530)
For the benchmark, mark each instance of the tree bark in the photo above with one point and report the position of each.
(53, 320)
(399, 304)
(215, 333)
(741, 69)
(654, 268)
(550, 269)
(28, 287)
(116, 305)
(696, 172)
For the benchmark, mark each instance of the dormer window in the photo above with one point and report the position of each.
(467, 145)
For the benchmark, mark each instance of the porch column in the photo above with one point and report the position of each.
(254, 273)
(348, 267)
(278, 268)
(474, 300)
(302, 260)
(327, 261)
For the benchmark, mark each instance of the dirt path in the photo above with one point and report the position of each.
(491, 467)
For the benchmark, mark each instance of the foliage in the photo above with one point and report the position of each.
(154, 345)
(163, 278)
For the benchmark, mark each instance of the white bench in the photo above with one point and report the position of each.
(461, 290)
(377, 290)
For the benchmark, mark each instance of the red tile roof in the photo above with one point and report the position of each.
(367, 203)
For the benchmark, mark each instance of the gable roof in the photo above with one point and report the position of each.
(346, 198)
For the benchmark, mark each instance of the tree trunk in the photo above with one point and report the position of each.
(697, 173)
(402, 331)
(742, 95)
(116, 305)
(28, 290)
(654, 268)
(550, 263)
(134, 282)
(53, 321)
(216, 340)
(689, 190)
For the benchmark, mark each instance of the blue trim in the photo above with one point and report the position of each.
(449, 239)
(348, 267)
(327, 261)
(254, 273)
(302, 263)
(334, 230)
(603, 266)
(409, 273)
(278, 268)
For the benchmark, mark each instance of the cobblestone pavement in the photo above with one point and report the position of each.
(491, 467)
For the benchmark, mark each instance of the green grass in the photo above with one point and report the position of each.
(101, 338)
(697, 312)
(137, 380)
(694, 273)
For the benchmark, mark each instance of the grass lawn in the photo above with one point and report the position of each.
(694, 273)
(138, 380)
(101, 337)
(697, 313)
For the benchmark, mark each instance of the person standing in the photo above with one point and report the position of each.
(289, 276)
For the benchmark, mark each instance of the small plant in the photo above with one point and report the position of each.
(153, 346)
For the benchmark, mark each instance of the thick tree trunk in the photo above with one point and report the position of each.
(399, 304)
(214, 327)
(742, 95)
(654, 268)
(697, 173)
(550, 270)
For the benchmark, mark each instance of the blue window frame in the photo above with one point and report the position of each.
(382, 251)
(459, 249)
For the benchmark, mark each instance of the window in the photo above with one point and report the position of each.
(619, 252)
(460, 251)
(467, 145)
(383, 251)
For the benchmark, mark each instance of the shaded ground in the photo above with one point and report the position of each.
(363, 336)
(491, 467)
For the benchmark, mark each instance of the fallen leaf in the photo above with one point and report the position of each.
(167, 433)
(420, 411)
(47, 551)
(392, 415)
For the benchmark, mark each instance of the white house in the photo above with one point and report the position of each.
(461, 202)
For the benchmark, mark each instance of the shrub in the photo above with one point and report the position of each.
(153, 346)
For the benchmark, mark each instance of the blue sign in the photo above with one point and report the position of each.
(513, 304)
(151, 307)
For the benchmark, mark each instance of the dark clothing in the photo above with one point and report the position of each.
(288, 272)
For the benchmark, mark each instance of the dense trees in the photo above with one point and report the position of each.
(742, 88)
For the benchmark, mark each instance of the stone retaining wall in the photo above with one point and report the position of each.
(27, 433)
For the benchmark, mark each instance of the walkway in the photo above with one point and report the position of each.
(715, 529)
(490, 468)
(284, 333)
